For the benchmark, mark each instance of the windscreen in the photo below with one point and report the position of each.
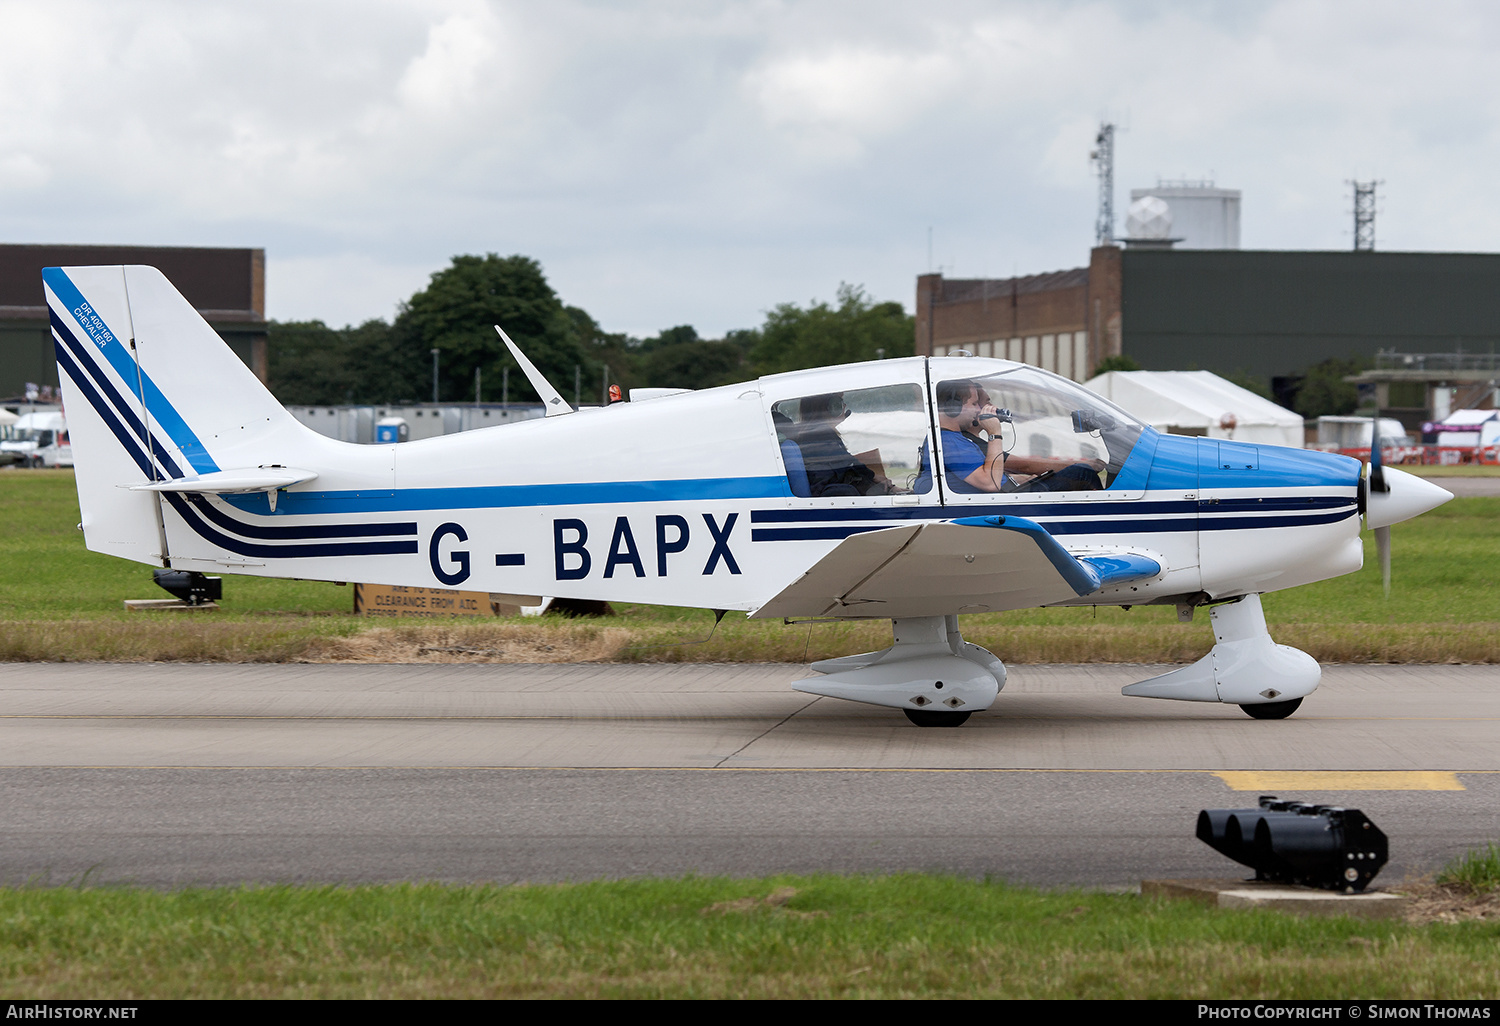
(1047, 425)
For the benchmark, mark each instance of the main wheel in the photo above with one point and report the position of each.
(929, 718)
(1273, 710)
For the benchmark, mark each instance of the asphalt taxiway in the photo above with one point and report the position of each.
(176, 774)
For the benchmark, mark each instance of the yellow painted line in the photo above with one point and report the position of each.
(1270, 781)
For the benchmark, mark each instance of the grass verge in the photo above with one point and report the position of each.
(783, 937)
(1477, 870)
(277, 640)
(1471, 470)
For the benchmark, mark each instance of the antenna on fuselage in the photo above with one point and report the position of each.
(555, 404)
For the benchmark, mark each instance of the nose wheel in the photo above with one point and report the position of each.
(1272, 710)
(928, 718)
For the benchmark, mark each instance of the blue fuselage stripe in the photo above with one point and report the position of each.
(377, 548)
(503, 496)
(218, 517)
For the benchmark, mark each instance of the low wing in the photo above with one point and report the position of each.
(970, 565)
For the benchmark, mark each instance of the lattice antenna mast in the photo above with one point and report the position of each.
(1364, 215)
(1103, 157)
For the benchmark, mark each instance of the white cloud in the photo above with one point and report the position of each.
(22, 171)
(702, 162)
(862, 91)
(460, 50)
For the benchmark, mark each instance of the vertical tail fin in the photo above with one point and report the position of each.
(152, 394)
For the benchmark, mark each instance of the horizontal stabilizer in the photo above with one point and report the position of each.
(962, 566)
(224, 482)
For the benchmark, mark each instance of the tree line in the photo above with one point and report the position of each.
(380, 362)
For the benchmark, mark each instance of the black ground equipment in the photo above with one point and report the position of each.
(1295, 842)
(190, 586)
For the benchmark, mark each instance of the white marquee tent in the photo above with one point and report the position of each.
(1199, 402)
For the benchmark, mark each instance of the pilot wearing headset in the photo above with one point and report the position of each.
(975, 465)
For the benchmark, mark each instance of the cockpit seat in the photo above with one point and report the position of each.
(796, 470)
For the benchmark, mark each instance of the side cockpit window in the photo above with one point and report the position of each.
(866, 441)
(1026, 431)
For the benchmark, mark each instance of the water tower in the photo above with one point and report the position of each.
(1204, 217)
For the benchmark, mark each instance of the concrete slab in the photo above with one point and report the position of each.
(168, 606)
(1305, 901)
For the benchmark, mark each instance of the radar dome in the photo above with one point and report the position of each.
(1149, 218)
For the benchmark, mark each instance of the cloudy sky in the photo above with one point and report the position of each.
(676, 162)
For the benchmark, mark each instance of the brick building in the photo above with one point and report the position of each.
(1065, 321)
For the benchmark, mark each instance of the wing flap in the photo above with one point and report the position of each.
(820, 591)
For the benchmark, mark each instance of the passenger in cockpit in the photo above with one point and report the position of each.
(974, 464)
(831, 468)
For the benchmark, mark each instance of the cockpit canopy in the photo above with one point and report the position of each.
(866, 429)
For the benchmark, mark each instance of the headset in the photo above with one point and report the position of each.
(951, 396)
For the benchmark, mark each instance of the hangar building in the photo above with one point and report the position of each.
(1262, 314)
(227, 286)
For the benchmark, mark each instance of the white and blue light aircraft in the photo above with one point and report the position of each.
(808, 495)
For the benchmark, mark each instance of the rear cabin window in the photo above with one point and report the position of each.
(866, 441)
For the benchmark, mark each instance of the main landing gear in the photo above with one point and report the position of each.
(931, 674)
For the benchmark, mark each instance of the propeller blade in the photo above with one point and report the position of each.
(1383, 549)
(1377, 472)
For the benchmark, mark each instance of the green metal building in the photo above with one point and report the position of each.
(227, 286)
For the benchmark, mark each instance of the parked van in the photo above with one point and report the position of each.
(38, 440)
(1351, 434)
